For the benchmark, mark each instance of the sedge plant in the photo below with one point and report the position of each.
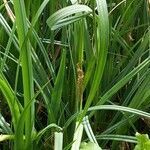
(74, 74)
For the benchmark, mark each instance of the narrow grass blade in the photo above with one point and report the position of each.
(43, 131)
(5, 127)
(120, 108)
(58, 86)
(123, 81)
(10, 98)
(102, 49)
(88, 130)
(114, 137)
(25, 54)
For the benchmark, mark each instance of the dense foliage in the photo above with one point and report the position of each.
(74, 71)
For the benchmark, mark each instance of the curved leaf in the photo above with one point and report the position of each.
(58, 18)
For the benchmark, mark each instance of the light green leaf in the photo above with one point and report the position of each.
(143, 142)
(89, 146)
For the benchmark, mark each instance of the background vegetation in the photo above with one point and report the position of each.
(73, 71)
